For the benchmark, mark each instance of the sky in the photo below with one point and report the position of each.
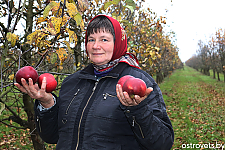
(191, 20)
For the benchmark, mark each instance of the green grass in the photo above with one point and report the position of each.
(196, 107)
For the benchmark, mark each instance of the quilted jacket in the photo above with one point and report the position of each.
(89, 116)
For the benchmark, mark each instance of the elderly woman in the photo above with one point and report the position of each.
(92, 112)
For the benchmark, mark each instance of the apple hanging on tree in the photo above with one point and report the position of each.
(133, 86)
(26, 73)
(51, 83)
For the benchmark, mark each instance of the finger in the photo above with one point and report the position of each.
(120, 94)
(33, 91)
(128, 100)
(138, 99)
(25, 85)
(119, 91)
(43, 84)
(20, 87)
(148, 91)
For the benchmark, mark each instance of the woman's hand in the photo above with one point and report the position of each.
(125, 98)
(35, 92)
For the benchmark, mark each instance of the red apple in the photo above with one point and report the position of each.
(134, 86)
(51, 83)
(123, 79)
(26, 73)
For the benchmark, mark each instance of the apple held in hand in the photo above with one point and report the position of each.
(123, 79)
(133, 86)
(26, 73)
(51, 83)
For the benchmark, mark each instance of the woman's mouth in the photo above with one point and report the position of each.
(96, 54)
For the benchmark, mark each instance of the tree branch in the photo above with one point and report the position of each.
(9, 125)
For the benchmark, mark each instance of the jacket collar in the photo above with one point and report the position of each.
(88, 72)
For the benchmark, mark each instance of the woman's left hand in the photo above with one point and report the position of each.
(125, 98)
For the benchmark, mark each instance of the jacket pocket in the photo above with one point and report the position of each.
(64, 115)
(108, 107)
(75, 94)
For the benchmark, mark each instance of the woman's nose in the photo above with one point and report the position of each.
(96, 45)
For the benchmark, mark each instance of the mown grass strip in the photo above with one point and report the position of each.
(196, 107)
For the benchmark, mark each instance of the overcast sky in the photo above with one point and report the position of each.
(191, 20)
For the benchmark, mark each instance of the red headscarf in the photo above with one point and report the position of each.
(120, 45)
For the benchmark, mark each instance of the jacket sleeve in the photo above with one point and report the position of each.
(150, 122)
(47, 123)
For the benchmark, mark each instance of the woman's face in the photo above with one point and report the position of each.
(100, 47)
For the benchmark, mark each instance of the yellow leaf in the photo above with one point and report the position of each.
(71, 9)
(54, 25)
(11, 37)
(78, 64)
(41, 19)
(56, 10)
(62, 54)
(68, 47)
(82, 25)
(150, 62)
(72, 36)
(31, 38)
(11, 77)
(61, 67)
(35, 37)
(83, 5)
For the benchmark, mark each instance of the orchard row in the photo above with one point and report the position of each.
(210, 56)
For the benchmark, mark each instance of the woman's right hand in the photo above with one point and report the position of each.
(35, 92)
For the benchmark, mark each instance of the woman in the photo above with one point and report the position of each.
(92, 112)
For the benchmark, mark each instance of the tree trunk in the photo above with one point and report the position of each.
(218, 76)
(214, 74)
(38, 143)
(159, 77)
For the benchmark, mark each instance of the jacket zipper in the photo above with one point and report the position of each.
(107, 94)
(78, 134)
(93, 90)
(134, 121)
(39, 123)
(72, 101)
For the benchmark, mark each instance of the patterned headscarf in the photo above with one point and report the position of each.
(120, 53)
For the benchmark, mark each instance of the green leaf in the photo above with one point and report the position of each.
(131, 3)
(78, 18)
(48, 8)
(107, 4)
(130, 7)
(53, 58)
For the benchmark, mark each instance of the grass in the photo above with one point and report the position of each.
(196, 107)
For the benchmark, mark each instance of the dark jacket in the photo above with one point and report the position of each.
(89, 116)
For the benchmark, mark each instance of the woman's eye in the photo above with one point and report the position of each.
(104, 40)
(91, 40)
